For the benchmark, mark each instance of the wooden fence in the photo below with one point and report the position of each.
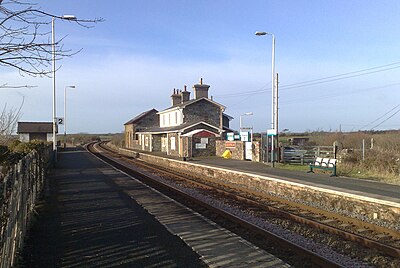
(20, 188)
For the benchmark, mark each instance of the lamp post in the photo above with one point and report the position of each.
(53, 41)
(240, 123)
(65, 114)
(274, 107)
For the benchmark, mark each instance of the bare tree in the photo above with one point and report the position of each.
(8, 122)
(25, 37)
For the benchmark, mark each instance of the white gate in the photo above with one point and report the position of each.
(248, 155)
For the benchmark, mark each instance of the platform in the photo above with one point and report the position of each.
(373, 189)
(99, 217)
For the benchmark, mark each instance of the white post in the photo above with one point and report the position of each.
(240, 124)
(273, 126)
(274, 107)
(54, 89)
(363, 150)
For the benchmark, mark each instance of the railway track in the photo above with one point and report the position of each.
(327, 222)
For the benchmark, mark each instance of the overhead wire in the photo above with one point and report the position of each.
(386, 119)
(317, 81)
(382, 116)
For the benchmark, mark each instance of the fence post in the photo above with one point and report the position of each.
(363, 150)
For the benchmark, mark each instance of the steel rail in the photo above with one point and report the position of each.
(362, 240)
(315, 257)
(365, 241)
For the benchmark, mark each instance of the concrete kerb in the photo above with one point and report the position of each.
(347, 204)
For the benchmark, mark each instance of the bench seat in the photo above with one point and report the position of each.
(324, 164)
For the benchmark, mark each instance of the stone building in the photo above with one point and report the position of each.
(189, 127)
(29, 131)
(141, 122)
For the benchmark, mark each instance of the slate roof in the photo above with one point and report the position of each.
(140, 117)
(183, 126)
(35, 127)
(227, 116)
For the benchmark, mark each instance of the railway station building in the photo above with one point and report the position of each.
(188, 128)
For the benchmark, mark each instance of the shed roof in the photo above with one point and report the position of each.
(35, 127)
(140, 117)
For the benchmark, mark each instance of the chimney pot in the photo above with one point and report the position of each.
(201, 90)
(175, 97)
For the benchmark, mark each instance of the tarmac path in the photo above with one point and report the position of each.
(85, 221)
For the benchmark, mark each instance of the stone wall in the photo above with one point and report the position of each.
(147, 142)
(129, 132)
(156, 140)
(237, 149)
(173, 149)
(203, 110)
(322, 198)
(209, 149)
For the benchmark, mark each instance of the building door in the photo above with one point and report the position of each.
(248, 150)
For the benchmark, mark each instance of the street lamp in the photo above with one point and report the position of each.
(274, 107)
(65, 114)
(53, 41)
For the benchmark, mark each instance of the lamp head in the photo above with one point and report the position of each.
(68, 17)
(261, 33)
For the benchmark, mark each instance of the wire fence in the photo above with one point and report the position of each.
(20, 189)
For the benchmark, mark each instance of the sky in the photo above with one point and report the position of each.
(338, 62)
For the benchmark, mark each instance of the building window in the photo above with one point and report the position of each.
(163, 120)
(176, 118)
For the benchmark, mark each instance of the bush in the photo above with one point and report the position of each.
(118, 140)
(16, 150)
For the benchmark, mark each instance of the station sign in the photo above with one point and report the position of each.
(272, 132)
(230, 144)
(245, 136)
(230, 136)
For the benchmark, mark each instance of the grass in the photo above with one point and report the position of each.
(349, 170)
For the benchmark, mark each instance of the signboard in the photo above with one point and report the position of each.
(245, 136)
(272, 132)
(230, 136)
(172, 140)
(204, 141)
(230, 144)
(60, 120)
(201, 146)
(237, 137)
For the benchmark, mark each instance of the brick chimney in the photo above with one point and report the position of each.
(200, 90)
(185, 95)
(175, 97)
